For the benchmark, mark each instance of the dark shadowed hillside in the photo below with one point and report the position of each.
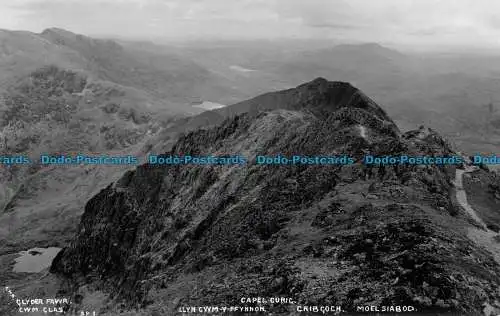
(161, 238)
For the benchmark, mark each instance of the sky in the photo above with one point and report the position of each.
(430, 23)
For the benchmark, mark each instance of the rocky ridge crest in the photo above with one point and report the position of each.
(164, 237)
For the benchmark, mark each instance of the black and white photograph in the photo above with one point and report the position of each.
(249, 157)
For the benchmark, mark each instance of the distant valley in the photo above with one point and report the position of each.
(448, 92)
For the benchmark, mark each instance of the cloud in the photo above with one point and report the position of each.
(417, 21)
(335, 26)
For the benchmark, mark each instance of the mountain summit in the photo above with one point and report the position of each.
(321, 98)
(349, 235)
(317, 96)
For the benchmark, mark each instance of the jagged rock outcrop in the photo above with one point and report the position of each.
(168, 236)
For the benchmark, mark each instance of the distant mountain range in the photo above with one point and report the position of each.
(448, 92)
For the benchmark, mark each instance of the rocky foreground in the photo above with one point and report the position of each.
(163, 238)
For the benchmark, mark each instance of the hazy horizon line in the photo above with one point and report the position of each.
(190, 40)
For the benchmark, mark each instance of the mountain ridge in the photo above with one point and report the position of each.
(165, 75)
(319, 96)
(163, 237)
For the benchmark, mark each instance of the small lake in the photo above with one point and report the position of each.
(207, 105)
(35, 260)
(241, 69)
